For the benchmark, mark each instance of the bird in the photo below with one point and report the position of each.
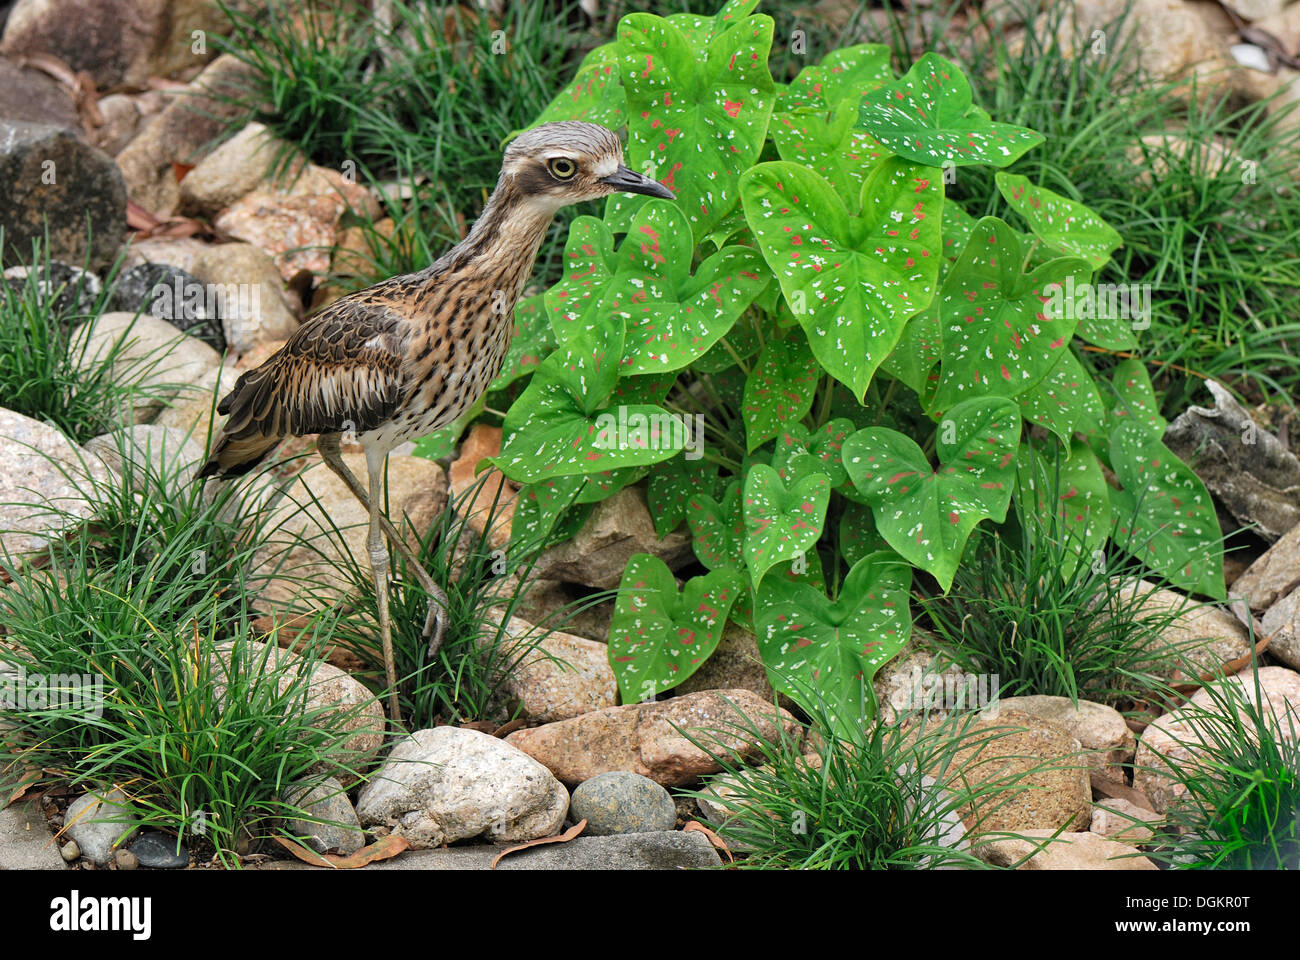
(400, 359)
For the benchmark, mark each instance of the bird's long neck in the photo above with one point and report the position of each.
(496, 258)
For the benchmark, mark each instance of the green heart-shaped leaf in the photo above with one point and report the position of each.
(657, 637)
(1135, 400)
(779, 390)
(530, 341)
(1061, 223)
(672, 318)
(1164, 514)
(718, 529)
(672, 485)
(844, 75)
(697, 113)
(858, 536)
(926, 116)
(594, 95)
(781, 523)
(558, 426)
(1065, 400)
(825, 444)
(852, 282)
(927, 514)
(839, 151)
(997, 339)
(815, 646)
(1082, 502)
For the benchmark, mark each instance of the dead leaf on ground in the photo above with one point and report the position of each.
(696, 827)
(564, 837)
(384, 849)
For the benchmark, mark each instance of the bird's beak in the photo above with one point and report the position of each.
(628, 180)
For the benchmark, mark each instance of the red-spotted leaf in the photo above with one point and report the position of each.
(927, 514)
(1107, 313)
(672, 318)
(559, 426)
(838, 150)
(783, 522)
(927, 116)
(844, 75)
(1064, 401)
(1061, 223)
(814, 647)
(1134, 399)
(594, 95)
(825, 444)
(538, 506)
(658, 637)
(1082, 504)
(530, 341)
(1164, 514)
(852, 282)
(718, 529)
(779, 390)
(672, 485)
(997, 338)
(697, 113)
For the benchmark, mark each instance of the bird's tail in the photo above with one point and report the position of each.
(234, 458)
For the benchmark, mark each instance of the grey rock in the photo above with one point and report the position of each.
(329, 821)
(447, 784)
(121, 116)
(158, 852)
(126, 860)
(55, 181)
(25, 840)
(99, 821)
(1242, 464)
(173, 295)
(1272, 576)
(152, 451)
(1282, 623)
(622, 802)
(673, 850)
(70, 851)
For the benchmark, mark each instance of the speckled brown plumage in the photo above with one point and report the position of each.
(411, 354)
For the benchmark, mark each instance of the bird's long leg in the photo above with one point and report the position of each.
(435, 621)
(379, 571)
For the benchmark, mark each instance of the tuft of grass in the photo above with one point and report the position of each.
(45, 372)
(1032, 605)
(138, 620)
(838, 795)
(1241, 808)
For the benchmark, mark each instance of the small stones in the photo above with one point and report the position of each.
(1068, 851)
(255, 307)
(172, 294)
(157, 851)
(622, 802)
(70, 851)
(66, 291)
(125, 860)
(1122, 820)
(98, 822)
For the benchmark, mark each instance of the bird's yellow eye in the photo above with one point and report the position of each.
(562, 168)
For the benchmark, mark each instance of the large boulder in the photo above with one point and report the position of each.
(57, 183)
(449, 783)
(648, 738)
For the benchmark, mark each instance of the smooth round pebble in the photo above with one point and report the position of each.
(622, 802)
(70, 851)
(126, 860)
(158, 851)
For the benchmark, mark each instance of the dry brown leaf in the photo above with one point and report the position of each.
(383, 849)
(29, 778)
(179, 170)
(696, 827)
(564, 837)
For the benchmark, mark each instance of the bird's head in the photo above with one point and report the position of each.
(567, 162)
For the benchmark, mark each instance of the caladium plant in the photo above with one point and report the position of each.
(819, 363)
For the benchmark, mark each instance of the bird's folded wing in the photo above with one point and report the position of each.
(340, 372)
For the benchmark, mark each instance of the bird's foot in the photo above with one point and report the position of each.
(435, 623)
